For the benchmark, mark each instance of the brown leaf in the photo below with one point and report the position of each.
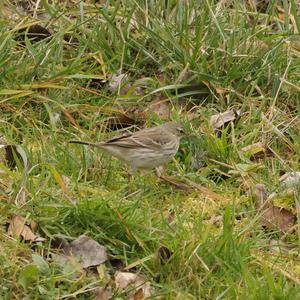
(222, 119)
(86, 250)
(275, 218)
(103, 293)
(116, 81)
(139, 295)
(161, 108)
(17, 227)
(272, 217)
(126, 279)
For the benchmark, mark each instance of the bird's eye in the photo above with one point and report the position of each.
(180, 130)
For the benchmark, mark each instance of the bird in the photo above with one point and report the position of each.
(145, 149)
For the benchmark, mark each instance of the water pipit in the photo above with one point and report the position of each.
(145, 149)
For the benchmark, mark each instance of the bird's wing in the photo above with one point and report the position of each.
(137, 140)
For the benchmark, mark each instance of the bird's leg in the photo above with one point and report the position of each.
(159, 171)
(130, 174)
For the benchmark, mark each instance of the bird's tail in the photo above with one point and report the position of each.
(86, 143)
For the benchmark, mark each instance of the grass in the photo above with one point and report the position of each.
(201, 57)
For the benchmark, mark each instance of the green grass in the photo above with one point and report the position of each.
(237, 56)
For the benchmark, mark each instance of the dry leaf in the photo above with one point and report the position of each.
(161, 108)
(17, 227)
(86, 250)
(222, 119)
(271, 216)
(115, 82)
(126, 279)
(139, 295)
(276, 217)
(103, 293)
(290, 179)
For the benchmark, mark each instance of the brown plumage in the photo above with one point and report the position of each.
(145, 149)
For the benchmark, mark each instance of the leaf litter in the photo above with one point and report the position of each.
(18, 228)
(141, 286)
(89, 253)
(86, 250)
(220, 120)
(272, 217)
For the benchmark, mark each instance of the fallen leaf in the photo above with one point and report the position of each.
(59, 179)
(90, 252)
(139, 295)
(103, 293)
(116, 81)
(17, 227)
(290, 179)
(33, 225)
(126, 279)
(222, 119)
(272, 217)
(86, 250)
(221, 90)
(276, 217)
(161, 108)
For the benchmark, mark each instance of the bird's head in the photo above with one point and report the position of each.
(175, 128)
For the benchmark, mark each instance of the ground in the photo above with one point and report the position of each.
(90, 70)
